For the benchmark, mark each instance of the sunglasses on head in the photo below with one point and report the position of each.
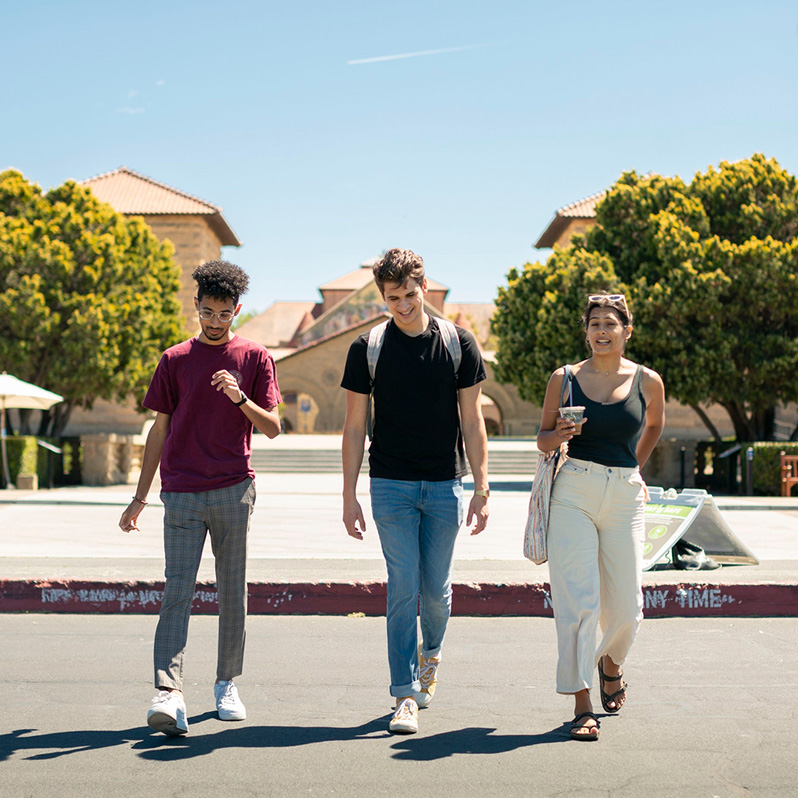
(611, 297)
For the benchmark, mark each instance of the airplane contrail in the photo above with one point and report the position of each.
(415, 55)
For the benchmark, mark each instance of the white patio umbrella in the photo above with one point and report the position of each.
(24, 395)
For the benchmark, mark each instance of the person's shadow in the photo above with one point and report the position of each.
(158, 747)
(473, 740)
(153, 746)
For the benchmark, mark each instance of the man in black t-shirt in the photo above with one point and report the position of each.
(427, 418)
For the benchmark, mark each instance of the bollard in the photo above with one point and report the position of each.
(682, 472)
(749, 471)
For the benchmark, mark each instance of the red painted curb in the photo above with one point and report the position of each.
(688, 599)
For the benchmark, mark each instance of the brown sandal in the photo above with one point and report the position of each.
(618, 697)
(592, 732)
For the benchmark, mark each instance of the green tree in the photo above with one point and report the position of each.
(710, 270)
(89, 297)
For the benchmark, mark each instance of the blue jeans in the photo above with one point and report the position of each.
(418, 524)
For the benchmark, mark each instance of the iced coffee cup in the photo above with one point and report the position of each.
(575, 413)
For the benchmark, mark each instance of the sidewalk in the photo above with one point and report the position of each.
(62, 551)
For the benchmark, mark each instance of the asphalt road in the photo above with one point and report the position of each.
(711, 712)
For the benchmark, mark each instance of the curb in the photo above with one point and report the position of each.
(483, 599)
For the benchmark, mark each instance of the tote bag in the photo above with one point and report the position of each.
(549, 464)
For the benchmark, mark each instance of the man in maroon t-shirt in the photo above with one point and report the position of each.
(208, 393)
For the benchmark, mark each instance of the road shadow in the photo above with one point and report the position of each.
(474, 740)
(56, 744)
(156, 747)
(153, 746)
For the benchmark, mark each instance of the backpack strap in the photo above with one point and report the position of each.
(452, 341)
(376, 338)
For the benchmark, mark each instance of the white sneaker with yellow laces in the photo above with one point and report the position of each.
(405, 718)
(428, 676)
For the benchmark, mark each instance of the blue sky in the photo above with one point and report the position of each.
(462, 155)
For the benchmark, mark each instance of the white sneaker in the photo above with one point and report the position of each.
(228, 704)
(168, 713)
(428, 676)
(405, 718)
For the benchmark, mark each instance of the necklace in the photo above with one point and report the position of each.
(607, 373)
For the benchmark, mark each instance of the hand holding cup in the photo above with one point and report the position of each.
(574, 417)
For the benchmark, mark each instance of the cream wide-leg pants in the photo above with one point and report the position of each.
(595, 537)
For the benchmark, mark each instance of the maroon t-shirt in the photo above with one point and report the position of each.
(209, 442)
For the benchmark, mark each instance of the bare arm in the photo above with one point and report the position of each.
(476, 446)
(554, 430)
(153, 449)
(264, 419)
(352, 448)
(654, 393)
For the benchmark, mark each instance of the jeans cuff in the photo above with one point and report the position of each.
(435, 652)
(406, 689)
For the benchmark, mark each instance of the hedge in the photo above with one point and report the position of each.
(25, 456)
(767, 468)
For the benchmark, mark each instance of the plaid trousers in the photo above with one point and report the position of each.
(188, 517)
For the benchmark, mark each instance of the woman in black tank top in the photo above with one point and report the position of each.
(596, 523)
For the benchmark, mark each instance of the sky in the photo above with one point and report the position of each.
(331, 131)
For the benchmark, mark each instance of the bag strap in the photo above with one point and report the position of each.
(568, 379)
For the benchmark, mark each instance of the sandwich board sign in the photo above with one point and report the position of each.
(669, 516)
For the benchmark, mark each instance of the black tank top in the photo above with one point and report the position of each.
(612, 431)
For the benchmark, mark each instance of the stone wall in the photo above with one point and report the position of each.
(107, 459)
(194, 242)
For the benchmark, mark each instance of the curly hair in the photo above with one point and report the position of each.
(221, 280)
(398, 266)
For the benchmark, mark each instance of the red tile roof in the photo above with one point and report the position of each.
(584, 208)
(276, 326)
(134, 194)
(581, 209)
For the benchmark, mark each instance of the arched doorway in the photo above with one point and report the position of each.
(299, 412)
(492, 415)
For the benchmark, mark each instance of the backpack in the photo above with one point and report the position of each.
(377, 336)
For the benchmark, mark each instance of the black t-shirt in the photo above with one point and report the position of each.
(416, 432)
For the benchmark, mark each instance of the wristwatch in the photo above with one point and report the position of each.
(244, 398)
(485, 493)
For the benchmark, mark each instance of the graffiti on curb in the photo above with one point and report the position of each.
(123, 597)
(686, 597)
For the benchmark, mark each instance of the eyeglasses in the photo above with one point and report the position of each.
(225, 316)
(611, 297)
